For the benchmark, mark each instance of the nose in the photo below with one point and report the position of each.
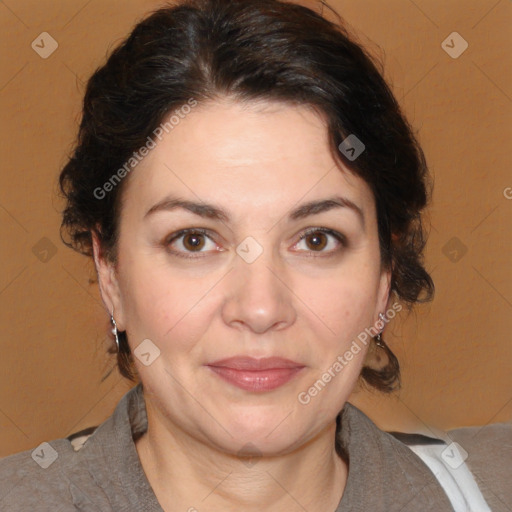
(258, 299)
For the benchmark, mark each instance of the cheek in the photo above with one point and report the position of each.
(155, 302)
(167, 306)
(344, 304)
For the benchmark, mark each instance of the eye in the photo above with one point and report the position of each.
(188, 241)
(318, 239)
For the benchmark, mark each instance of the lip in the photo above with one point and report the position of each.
(253, 363)
(257, 375)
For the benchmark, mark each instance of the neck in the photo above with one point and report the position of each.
(186, 474)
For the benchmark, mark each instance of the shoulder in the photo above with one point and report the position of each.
(488, 446)
(91, 470)
(48, 475)
(473, 464)
(494, 440)
(487, 451)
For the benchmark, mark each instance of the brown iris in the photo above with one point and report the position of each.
(193, 241)
(318, 239)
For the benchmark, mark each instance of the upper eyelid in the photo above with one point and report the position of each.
(327, 231)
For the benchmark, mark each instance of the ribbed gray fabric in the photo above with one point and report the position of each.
(106, 475)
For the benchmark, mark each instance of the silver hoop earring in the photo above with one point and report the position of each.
(114, 329)
(378, 339)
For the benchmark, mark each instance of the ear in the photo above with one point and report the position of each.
(108, 282)
(383, 297)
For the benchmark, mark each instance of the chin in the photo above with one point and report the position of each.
(260, 430)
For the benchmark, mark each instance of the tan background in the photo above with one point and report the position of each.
(456, 353)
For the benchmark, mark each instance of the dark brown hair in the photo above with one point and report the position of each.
(250, 50)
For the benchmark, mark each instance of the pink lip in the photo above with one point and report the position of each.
(253, 374)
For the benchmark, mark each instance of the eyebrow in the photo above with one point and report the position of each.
(211, 211)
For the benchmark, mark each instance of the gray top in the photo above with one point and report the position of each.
(105, 474)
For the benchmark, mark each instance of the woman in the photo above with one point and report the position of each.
(251, 195)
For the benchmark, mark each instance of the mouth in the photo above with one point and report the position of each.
(257, 375)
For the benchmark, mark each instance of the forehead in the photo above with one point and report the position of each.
(261, 155)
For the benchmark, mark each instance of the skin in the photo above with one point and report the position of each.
(304, 300)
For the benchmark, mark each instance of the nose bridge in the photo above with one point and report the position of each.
(257, 298)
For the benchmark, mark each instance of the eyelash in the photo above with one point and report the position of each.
(199, 231)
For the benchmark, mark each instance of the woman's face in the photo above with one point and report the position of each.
(242, 283)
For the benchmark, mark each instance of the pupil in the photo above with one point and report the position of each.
(317, 242)
(193, 241)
